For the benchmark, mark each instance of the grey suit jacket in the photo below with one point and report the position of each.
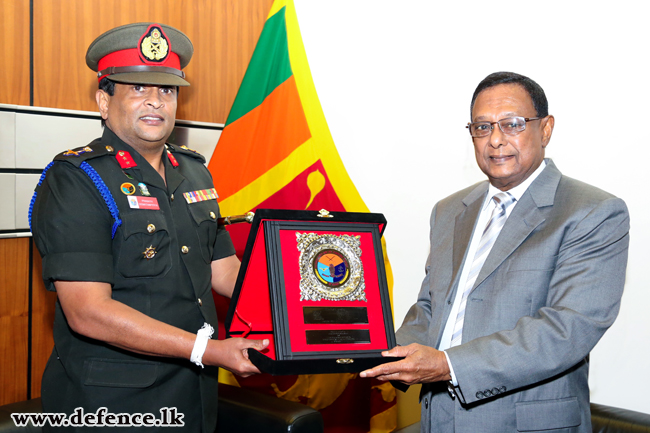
(549, 289)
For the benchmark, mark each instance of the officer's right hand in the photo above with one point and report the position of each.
(232, 354)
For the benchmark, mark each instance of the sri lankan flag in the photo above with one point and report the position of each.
(276, 151)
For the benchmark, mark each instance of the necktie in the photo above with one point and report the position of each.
(492, 229)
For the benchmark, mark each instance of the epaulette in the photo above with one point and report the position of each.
(184, 150)
(78, 158)
(81, 154)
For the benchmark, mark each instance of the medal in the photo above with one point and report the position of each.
(200, 195)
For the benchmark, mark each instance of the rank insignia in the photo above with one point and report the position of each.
(125, 159)
(200, 195)
(150, 252)
(127, 188)
(143, 189)
(188, 149)
(77, 152)
(154, 45)
(172, 160)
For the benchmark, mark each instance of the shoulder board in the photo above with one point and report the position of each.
(184, 150)
(81, 154)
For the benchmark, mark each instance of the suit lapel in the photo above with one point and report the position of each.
(464, 226)
(525, 217)
(523, 220)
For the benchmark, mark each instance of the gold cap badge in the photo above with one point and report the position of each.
(153, 45)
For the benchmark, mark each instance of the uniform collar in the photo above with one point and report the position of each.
(174, 177)
(143, 171)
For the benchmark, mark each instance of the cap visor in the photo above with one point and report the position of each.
(152, 78)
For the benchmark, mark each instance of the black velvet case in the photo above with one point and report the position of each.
(315, 285)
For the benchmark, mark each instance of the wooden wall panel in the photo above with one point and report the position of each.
(14, 52)
(14, 320)
(42, 321)
(223, 47)
(224, 34)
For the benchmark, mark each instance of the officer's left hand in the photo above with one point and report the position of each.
(421, 364)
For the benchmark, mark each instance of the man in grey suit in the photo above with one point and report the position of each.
(524, 276)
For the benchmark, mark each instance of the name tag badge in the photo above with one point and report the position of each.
(137, 202)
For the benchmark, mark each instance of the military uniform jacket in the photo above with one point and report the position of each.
(158, 262)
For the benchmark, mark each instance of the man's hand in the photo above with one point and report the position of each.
(422, 364)
(232, 354)
(92, 312)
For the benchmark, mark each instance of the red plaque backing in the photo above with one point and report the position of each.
(267, 301)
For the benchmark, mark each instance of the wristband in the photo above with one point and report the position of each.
(201, 343)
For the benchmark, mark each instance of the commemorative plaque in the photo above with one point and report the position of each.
(314, 284)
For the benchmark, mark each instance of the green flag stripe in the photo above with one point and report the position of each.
(269, 67)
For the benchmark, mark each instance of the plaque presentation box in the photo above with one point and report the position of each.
(314, 284)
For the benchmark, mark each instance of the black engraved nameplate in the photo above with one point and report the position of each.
(338, 336)
(335, 315)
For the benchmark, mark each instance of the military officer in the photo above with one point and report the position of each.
(127, 228)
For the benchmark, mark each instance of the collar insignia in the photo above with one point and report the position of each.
(172, 160)
(125, 159)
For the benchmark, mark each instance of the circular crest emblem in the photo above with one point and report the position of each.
(330, 267)
(127, 188)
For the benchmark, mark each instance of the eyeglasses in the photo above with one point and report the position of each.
(509, 126)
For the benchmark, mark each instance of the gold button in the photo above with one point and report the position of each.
(185, 250)
(200, 302)
(109, 148)
(212, 215)
(172, 197)
(151, 228)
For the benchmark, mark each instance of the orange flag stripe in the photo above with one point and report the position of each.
(259, 140)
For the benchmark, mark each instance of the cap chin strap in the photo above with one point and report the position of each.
(140, 68)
